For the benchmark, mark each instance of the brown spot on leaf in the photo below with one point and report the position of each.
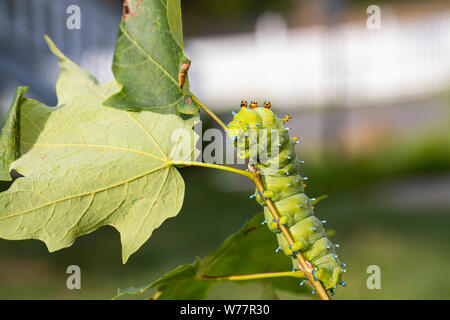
(43, 155)
(181, 79)
(127, 11)
(184, 66)
(141, 197)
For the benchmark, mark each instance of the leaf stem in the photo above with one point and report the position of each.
(210, 113)
(306, 266)
(295, 274)
(244, 173)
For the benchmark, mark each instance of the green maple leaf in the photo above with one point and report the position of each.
(85, 165)
(149, 58)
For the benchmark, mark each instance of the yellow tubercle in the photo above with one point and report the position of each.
(273, 226)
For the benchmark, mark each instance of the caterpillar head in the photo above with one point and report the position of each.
(250, 126)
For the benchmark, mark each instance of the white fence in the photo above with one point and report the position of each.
(348, 65)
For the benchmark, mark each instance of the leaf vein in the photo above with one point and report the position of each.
(74, 145)
(150, 209)
(83, 194)
(149, 57)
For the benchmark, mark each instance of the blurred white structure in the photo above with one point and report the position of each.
(313, 67)
(348, 65)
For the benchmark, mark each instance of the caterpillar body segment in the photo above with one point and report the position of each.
(259, 135)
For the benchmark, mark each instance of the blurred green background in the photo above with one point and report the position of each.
(387, 209)
(386, 170)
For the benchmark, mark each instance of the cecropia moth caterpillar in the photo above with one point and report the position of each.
(259, 135)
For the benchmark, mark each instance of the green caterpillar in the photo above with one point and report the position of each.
(258, 134)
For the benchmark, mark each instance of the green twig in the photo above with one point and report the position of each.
(295, 274)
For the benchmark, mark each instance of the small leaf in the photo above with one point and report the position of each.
(249, 251)
(175, 21)
(9, 138)
(179, 284)
(187, 106)
(149, 61)
(85, 166)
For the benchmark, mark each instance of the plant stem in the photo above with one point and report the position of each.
(210, 113)
(244, 173)
(295, 274)
(306, 266)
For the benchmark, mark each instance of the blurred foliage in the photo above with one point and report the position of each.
(204, 17)
(235, 256)
(228, 17)
(423, 152)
